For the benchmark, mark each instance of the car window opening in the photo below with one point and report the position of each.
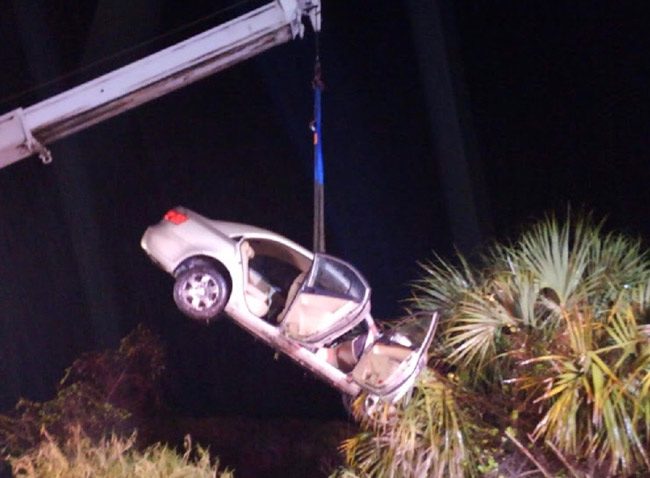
(270, 271)
(335, 279)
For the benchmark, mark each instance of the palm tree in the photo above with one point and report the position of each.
(551, 334)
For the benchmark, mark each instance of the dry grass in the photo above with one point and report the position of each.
(116, 457)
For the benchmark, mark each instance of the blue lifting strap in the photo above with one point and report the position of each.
(319, 169)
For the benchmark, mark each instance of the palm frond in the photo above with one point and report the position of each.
(519, 293)
(555, 327)
(590, 403)
(621, 259)
(557, 256)
(443, 284)
(641, 300)
(473, 331)
(428, 436)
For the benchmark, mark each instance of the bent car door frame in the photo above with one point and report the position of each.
(388, 371)
(333, 298)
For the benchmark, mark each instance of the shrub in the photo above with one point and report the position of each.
(431, 436)
(102, 392)
(550, 334)
(81, 457)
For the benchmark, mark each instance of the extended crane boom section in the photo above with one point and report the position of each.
(24, 132)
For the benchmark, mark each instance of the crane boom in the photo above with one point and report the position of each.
(26, 131)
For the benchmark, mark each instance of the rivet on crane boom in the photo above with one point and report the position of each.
(27, 131)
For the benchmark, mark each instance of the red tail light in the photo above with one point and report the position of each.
(175, 217)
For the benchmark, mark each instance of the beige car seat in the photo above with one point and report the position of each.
(291, 294)
(256, 290)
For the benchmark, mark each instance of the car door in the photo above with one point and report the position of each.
(332, 299)
(269, 268)
(390, 365)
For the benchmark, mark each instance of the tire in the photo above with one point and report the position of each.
(201, 292)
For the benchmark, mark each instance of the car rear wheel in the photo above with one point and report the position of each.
(201, 292)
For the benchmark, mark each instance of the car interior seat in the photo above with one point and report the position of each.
(257, 291)
(376, 366)
(291, 294)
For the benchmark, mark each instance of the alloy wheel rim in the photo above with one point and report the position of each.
(200, 291)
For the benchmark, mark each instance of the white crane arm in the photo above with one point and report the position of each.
(24, 132)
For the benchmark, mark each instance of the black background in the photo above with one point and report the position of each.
(545, 106)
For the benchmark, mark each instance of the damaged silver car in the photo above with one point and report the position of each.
(312, 307)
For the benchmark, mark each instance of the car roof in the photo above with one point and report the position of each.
(234, 230)
(237, 230)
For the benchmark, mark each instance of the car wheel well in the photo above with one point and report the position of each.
(198, 260)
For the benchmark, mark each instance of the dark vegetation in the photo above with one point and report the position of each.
(540, 367)
(119, 392)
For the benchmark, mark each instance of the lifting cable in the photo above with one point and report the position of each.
(319, 171)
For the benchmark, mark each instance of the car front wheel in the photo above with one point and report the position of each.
(201, 292)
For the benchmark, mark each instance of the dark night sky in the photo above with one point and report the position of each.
(534, 106)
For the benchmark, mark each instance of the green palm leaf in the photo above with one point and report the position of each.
(555, 327)
(429, 436)
(557, 256)
(617, 264)
(473, 331)
(443, 284)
